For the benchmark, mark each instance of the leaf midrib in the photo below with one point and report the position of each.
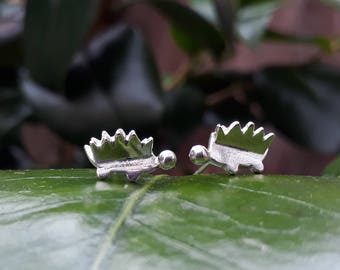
(131, 203)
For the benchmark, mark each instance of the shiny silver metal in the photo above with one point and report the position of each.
(127, 154)
(233, 146)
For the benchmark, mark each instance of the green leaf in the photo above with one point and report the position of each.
(323, 43)
(253, 18)
(54, 31)
(65, 219)
(192, 32)
(333, 169)
(205, 8)
(303, 102)
(218, 12)
(332, 3)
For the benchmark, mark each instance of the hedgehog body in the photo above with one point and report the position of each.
(233, 146)
(230, 158)
(127, 154)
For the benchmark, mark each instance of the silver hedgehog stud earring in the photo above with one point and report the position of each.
(127, 154)
(233, 146)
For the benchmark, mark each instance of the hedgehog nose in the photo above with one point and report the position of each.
(199, 155)
(167, 159)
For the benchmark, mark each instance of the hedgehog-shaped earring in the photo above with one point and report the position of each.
(127, 154)
(233, 146)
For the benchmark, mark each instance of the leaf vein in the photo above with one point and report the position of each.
(228, 218)
(190, 249)
(321, 210)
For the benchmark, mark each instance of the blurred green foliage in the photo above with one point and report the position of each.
(333, 169)
(55, 69)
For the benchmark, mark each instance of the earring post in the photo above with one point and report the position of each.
(202, 168)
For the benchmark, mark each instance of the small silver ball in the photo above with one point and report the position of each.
(167, 160)
(199, 155)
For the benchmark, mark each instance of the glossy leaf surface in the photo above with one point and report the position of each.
(65, 219)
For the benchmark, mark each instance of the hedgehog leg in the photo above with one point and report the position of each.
(202, 168)
(231, 168)
(102, 173)
(257, 167)
(132, 175)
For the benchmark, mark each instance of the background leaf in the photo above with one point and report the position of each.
(76, 120)
(192, 32)
(54, 31)
(218, 12)
(205, 8)
(323, 43)
(12, 110)
(64, 219)
(117, 56)
(303, 102)
(333, 169)
(253, 18)
(248, 19)
(11, 28)
(184, 109)
(332, 3)
(100, 93)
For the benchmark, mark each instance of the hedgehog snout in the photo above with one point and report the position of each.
(167, 160)
(199, 155)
